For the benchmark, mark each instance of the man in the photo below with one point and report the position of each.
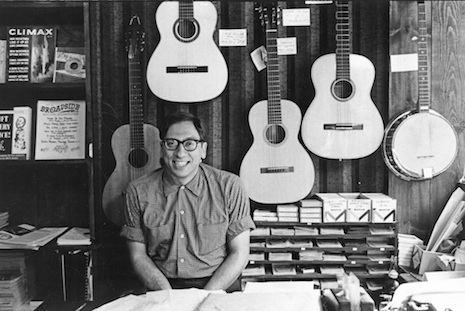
(187, 224)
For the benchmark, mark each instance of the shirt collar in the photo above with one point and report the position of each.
(170, 185)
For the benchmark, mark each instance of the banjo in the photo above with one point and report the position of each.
(420, 144)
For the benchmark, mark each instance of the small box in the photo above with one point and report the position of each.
(383, 207)
(425, 261)
(334, 207)
(358, 207)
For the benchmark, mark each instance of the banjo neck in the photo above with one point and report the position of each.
(424, 101)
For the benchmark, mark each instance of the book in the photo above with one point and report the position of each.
(75, 236)
(22, 125)
(6, 133)
(31, 53)
(60, 130)
(70, 64)
(2, 61)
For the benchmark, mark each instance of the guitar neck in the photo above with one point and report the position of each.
(186, 10)
(423, 69)
(136, 108)
(273, 79)
(343, 42)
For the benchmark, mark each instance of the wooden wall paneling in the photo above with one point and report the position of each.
(448, 72)
(308, 49)
(371, 41)
(239, 93)
(420, 202)
(402, 97)
(96, 77)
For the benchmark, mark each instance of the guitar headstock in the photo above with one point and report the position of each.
(135, 37)
(269, 14)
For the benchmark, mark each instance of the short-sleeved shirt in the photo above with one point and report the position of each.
(186, 228)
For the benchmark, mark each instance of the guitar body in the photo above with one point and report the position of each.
(281, 172)
(343, 125)
(419, 146)
(187, 70)
(130, 164)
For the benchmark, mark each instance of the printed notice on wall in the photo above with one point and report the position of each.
(60, 129)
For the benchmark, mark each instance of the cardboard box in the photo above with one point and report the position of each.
(334, 207)
(358, 207)
(383, 207)
(425, 261)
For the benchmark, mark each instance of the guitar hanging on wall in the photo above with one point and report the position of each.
(187, 65)
(136, 146)
(277, 168)
(420, 143)
(342, 122)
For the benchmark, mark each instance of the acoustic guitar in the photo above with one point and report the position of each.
(277, 168)
(136, 146)
(420, 143)
(342, 122)
(187, 65)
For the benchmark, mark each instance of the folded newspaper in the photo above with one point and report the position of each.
(25, 236)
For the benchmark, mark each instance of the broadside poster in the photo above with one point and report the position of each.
(60, 129)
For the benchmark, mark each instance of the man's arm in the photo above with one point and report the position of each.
(232, 266)
(145, 269)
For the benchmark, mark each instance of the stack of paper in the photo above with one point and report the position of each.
(265, 215)
(311, 255)
(288, 213)
(405, 245)
(30, 237)
(256, 256)
(306, 231)
(280, 256)
(283, 269)
(252, 270)
(260, 231)
(282, 231)
(75, 236)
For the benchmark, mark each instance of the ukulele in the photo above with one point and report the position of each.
(342, 121)
(420, 143)
(187, 65)
(136, 146)
(277, 168)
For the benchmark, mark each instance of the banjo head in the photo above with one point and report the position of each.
(419, 146)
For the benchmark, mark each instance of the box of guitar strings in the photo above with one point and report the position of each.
(334, 207)
(383, 207)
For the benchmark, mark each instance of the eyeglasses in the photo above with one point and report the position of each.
(188, 144)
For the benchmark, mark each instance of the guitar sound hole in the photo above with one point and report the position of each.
(275, 134)
(138, 158)
(186, 30)
(343, 89)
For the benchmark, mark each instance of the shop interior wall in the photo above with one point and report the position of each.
(373, 26)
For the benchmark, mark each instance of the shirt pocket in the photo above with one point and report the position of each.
(212, 237)
(159, 241)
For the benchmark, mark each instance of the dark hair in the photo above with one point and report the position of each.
(181, 116)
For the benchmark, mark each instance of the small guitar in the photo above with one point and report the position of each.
(186, 66)
(277, 168)
(342, 121)
(420, 143)
(136, 146)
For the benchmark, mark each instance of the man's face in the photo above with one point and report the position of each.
(182, 164)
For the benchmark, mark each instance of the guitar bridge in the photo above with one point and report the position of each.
(342, 126)
(186, 69)
(277, 169)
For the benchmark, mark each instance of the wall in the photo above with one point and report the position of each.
(379, 28)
